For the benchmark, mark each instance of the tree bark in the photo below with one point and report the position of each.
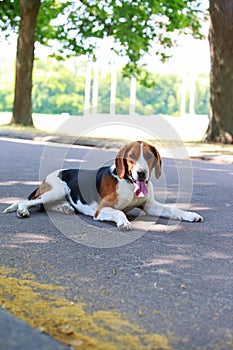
(22, 109)
(221, 75)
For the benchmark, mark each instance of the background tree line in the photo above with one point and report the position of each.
(59, 87)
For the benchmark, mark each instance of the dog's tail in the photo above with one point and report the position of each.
(11, 208)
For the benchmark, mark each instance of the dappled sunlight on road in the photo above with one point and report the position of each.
(167, 260)
(13, 183)
(25, 238)
(75, 160)
(189, 262)
(216, 255)
(20, 240)
(10, 200)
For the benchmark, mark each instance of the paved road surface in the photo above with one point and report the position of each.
(171, 280)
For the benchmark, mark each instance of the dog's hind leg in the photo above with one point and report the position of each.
(13, 207)
(23, 207)
(52, 192)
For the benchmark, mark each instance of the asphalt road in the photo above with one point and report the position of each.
(173, 280)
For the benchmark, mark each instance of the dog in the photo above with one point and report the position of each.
(107, 193)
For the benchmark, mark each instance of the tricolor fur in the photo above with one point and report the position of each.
(107, 193)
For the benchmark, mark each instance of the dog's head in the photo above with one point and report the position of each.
(135, 162)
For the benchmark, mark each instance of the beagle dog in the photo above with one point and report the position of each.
(107, 193)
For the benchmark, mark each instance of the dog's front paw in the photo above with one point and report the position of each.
(192, 217)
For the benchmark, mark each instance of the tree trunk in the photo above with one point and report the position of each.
(221, 75)
(22, 110)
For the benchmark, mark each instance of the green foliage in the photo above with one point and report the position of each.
(6, 88)
(50, 10)
(104, 92)
(75, 27)
(163, 98)
(6, 99)
(202, 95)
(56, 89)
(122, 95)
(60, 86)
(9, 16)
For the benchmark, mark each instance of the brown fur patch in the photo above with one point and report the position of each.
(44, 187)
(107, 192)
(128, 154)
(157, 161)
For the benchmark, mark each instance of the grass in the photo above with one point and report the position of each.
(19, 128)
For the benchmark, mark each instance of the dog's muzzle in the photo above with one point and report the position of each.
(140, 184)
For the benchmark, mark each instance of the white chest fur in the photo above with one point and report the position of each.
(126, 197)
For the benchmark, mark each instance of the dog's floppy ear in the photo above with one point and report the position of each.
(120, 162)
(158, 162)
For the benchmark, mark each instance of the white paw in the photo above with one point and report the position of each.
(65, 208)
(191, 217)
(23, 213)
(124, 225)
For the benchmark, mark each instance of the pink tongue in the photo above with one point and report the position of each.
(140, 189)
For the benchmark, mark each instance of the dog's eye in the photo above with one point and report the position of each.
(148, 156)
(132, 156)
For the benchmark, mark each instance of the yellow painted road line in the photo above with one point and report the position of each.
(43, 307)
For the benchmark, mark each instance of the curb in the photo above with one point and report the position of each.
(66, 139)
(18, 335)
(215, 153)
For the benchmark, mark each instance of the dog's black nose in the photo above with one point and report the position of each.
(141, 175)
